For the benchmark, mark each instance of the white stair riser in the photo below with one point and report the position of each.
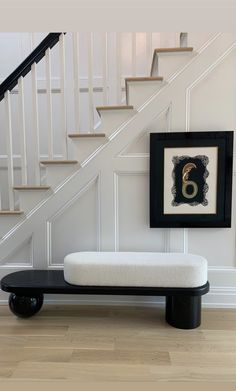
(138, 92)
(57, 173)
(84, 147)
(28, 199)
(166, 64)
(111, 119)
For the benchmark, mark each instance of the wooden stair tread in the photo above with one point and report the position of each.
(148, 78)
(51, 162)
(28, 187)
(173, 50)
(169, 50)
(121, 107)
(11, 212)
(85, 135)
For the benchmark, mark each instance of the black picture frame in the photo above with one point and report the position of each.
(166, 214)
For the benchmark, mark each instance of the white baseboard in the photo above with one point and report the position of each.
(220, 297)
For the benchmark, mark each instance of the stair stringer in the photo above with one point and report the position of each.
(175, 91)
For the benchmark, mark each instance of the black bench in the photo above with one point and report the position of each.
(27, 288)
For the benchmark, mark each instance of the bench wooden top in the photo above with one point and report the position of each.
(29, 282)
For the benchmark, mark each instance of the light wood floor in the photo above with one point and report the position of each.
(116, 344)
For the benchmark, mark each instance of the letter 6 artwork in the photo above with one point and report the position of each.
(189, 180)
(185, 180)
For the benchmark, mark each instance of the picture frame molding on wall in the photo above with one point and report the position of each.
(211, 149)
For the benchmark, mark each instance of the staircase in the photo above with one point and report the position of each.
(87, 155)
(24, 197)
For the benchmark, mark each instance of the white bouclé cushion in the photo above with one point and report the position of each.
(135, 269)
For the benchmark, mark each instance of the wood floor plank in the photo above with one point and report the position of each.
(4, 310)
(220, 335)
(83, 372)
(7, 369)
(9, 341)
(173, 346)
(160, 341)
(35, 354)
(71, 342)
(193, 373)
(205, 359)
(29, 330)
(120, 357)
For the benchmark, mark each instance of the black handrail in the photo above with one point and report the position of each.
(34, 57)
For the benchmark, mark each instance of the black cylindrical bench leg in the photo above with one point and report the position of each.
(183, 311)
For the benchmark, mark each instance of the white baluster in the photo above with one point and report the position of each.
(22, 130)
(104, 69)
(183, 40)
(76, 80)
(32, 41)
(63, 96)
(118, 67)
(90, 82)
(10, 164)
(49, 103)
(35, 118)
(133, 54)
(149, 51)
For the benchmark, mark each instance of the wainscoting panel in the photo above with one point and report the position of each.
(22, 255)
(75, 227)
(133, 221)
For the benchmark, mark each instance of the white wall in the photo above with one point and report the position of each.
(112, 212)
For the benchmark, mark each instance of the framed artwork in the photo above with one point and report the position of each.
(191, 179)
